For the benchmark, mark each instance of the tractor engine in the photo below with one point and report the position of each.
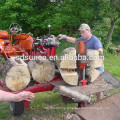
(46, 40)
(45, 45)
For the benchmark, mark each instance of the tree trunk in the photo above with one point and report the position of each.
(16, 74)
(42, 71)
(109, 37)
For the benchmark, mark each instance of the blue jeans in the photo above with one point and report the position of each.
(101, 69)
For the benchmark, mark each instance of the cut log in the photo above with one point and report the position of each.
(92, 74)
(42, 71)
(93, 53)
(67, 64)
(16, 74)
(95, 60)
(71, 93)
(66, 60)
(95, 63)
(70, 77)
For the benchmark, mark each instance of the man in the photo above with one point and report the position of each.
(92, 42)
(7, 96)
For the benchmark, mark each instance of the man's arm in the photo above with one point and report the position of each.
(98, 45)
(70, 39)
(64, 37)
(6, 96)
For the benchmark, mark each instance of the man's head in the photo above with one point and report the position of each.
(85, 31)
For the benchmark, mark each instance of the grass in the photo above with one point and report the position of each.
(112, 64)
(49, 105)
(4, 110)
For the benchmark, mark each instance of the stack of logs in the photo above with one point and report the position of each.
(95, 61)
(17, 73)
(67, 67)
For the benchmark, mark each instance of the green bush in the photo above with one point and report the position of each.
(116, 33)
(109, 48)
(100, 30)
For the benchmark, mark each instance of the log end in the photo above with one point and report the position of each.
(17, 78)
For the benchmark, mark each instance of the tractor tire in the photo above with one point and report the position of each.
(16, 108)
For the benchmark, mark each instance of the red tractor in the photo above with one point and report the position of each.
(23, 42)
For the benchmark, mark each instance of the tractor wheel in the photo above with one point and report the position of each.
(16, 108)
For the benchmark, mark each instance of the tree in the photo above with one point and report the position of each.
(69, 15)
(65, 16)
(16, 11)
(111, 10)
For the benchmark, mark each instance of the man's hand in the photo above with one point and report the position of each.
(67, 38)
(60, 36)
(25, 95)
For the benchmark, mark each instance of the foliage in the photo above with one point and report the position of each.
(65, 16)
(76, 12)
(116, 33)
(109, 48)
(17, 11)
(35, 15)
(110, 9)
(101, 31)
